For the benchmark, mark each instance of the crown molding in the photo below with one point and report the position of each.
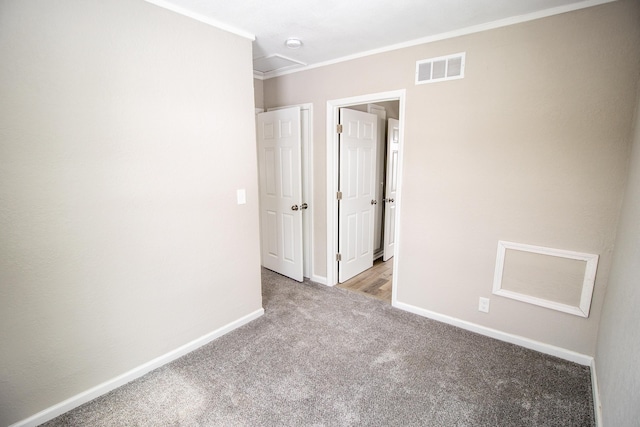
(202, 18)
(448, 35)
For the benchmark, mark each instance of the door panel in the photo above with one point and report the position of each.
(279, 165)
(287, 170)
(288, 237)
(351, 237)
(270, 171)
(366, 158)
(365, 236)
(357, 184)
(271, 220)
(393, 144)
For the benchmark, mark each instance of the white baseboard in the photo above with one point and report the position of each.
(552, 350)
(319, 279)
(597, 405)
(88, 395)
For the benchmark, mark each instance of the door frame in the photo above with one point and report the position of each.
(333, 107)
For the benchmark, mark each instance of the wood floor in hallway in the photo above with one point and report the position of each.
(374, 282)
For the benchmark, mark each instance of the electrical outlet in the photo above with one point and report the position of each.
(483, 305)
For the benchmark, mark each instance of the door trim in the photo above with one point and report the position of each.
(333, 107)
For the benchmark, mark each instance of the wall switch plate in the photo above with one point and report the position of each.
(242, 196)
(483, 305)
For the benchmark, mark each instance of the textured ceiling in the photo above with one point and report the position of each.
(333, 29)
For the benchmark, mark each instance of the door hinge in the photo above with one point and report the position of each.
(339, 128)
(338, 257)
(339, 195)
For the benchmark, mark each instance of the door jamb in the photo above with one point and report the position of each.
(333, 107)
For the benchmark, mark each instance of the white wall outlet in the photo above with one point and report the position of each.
(242, 196)
(483, 305)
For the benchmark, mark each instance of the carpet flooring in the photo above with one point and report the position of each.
(325, 356)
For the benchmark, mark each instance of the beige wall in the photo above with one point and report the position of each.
(529, 147)
(618, 350)
(391, 108)
(122, 143)
(258, 93)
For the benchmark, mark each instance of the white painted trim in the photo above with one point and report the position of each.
(322, 280)
(395, 278)
(597, 404)
(588, 282)
(202, 18)
(448, 35)
(94, 392)
(552, 350)
(307, 163)
(333, 107)
(332, 187)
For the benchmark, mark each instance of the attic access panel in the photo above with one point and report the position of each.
(553, 278)
(274, 62)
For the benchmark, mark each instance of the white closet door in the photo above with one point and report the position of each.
(393, 144)
(280, 174)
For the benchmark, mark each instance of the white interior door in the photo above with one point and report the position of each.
(280, 175)
(393, 144)
(378, 238)
(357, 185)
(306, 146)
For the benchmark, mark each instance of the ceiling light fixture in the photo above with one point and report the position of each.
(293, 43)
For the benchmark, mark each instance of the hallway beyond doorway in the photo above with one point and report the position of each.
(374, 282)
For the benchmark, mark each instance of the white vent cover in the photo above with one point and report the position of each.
(439, 69)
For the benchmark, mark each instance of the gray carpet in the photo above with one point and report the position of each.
(327, 357)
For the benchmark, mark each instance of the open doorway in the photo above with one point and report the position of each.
(376, 282)
(379, 280)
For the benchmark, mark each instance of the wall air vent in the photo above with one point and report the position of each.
(439, 69)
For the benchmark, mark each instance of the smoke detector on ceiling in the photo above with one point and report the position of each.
(293, 43)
